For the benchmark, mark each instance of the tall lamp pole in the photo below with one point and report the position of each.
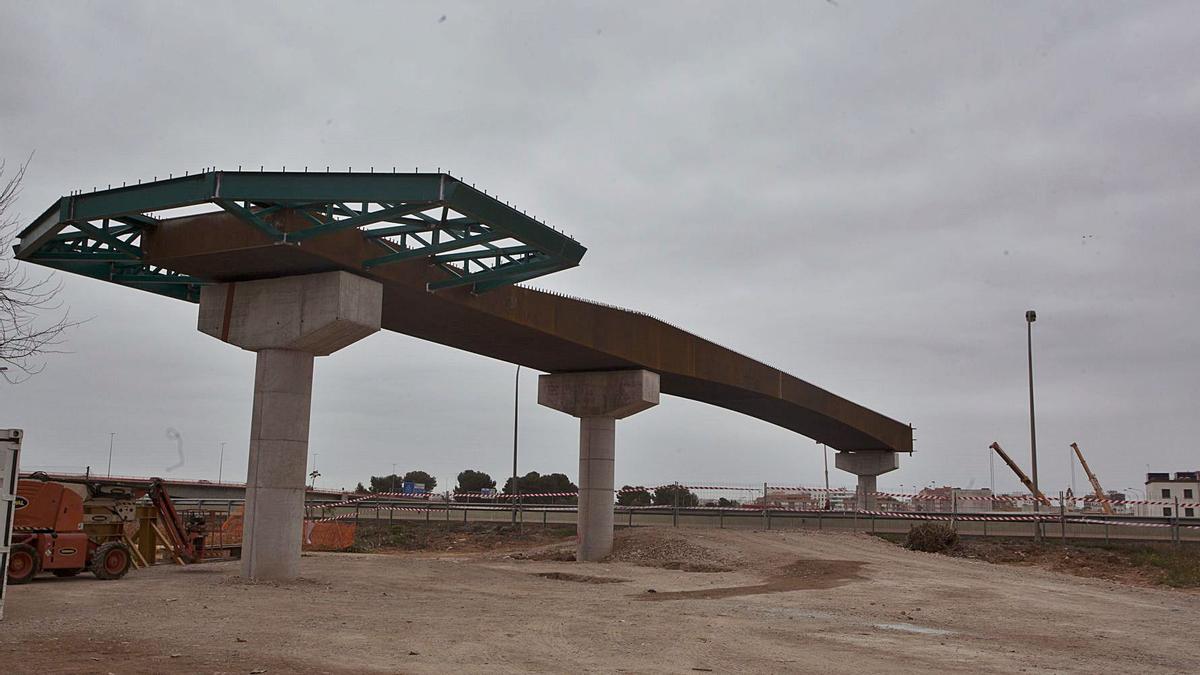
(1030, 317)
(516, 411)
(825, 454)
(221, 462)
(111, 435)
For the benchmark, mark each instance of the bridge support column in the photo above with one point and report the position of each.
(867, 465)
(286, 321)
(598, 399)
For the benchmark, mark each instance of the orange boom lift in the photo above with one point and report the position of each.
(48, 536)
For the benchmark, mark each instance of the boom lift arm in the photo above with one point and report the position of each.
(1020, 474)
(1108, 509)
(185, 539)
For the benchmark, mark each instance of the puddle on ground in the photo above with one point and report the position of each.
(801, 575)
(913, 628)
(580, 578)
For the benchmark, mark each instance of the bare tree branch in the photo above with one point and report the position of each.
(31, 325)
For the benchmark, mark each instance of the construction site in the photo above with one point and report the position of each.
(675, 577)
(774, 397)
(687, 600)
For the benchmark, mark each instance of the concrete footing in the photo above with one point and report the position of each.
(867, 466)
(287, 321)
(598, 399)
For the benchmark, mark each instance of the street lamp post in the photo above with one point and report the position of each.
(112, 435)
(221, 462)
(1030, 317)
(516, 411)
(825, 455)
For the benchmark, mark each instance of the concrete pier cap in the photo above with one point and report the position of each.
(867, 465)
(598, 399)
(287, 321)
(314, 313)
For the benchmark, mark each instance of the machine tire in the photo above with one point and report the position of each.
(23, 564)
(111, 560)
(65, 573)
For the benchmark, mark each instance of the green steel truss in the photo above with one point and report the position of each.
(480, 241)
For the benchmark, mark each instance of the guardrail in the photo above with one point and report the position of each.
(1053, 526)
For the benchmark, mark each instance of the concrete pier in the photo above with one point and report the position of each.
(867, 466)
(598, 399)
(287, 321)
(597, 455)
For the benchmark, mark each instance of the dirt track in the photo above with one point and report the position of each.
(835, 603)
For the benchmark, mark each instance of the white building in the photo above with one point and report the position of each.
(1161, 487)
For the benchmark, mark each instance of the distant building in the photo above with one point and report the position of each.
(803, 501)
(1011, 502)
(1091, 504)
(889, 503)
(947, 499)
(841, 501)
(1161, 487)
(932, 500)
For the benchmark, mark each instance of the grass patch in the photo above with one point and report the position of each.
(1134, 563)
(1179, 569)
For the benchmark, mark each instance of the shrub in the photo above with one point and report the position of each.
(931, 537)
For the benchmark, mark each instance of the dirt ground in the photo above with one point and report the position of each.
(770, 602)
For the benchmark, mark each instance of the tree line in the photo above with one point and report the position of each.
(471, 483)
(664, 495)
(395, 482)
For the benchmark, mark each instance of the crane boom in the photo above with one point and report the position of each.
(1095, 481)
(1020, 474)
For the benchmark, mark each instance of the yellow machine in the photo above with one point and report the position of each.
(1020, 474)
(1095, 482)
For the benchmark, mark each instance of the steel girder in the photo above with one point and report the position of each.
(482, 242)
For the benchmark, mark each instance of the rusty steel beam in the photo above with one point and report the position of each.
(539, 330)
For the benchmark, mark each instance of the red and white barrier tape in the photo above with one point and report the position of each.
(377, 495)
(1013, 518)
(734, 488)
(405, 495)
(330, 519)
(840, 492)
(993, 498)
(509, 495)
(1143, 502)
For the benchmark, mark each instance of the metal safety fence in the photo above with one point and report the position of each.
(772, 507)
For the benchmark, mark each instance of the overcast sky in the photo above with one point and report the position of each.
(868, 195)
